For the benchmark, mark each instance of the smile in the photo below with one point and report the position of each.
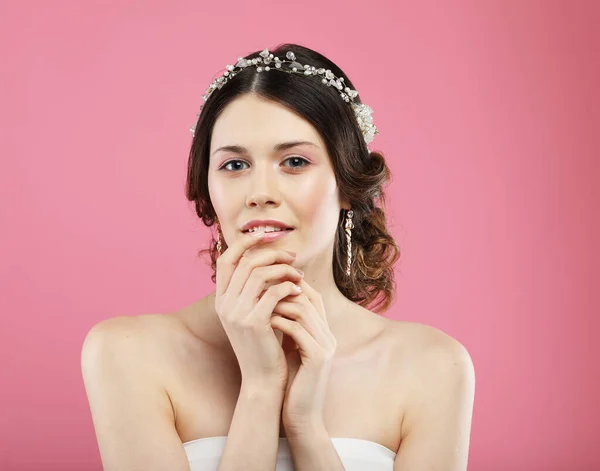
(274, 235)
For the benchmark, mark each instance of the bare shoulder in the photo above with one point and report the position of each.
(160, 345)
(435, 369)
(427, 340)
(425, 350)
(124, 362)
(141, 341)
(136, 332)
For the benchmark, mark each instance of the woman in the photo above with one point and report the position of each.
(259, 374)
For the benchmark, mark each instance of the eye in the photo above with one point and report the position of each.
(225, 165)
(289, 159)
(297, 159)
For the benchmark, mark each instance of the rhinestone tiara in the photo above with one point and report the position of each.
(267, 62)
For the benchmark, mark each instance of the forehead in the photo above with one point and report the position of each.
(251, 120)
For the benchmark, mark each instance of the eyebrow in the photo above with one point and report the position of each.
(277, 148)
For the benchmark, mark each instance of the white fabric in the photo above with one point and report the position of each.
(204, 454)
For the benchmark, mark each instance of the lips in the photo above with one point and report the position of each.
(270, 232)
(266, 223)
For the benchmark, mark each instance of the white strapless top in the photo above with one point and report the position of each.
(356, 454)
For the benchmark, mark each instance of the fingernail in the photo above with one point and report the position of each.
(293, 254)
(299, 271)
(257, 233)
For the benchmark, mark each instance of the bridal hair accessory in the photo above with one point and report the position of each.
(347, 230)
(268, 62)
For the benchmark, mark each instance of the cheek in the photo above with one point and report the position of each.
(316, 201)
(316, 187)
(222, 198)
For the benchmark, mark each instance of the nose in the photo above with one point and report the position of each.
(264, 189)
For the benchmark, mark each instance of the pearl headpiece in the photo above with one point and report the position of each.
(267, 62)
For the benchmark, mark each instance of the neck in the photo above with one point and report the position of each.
(318, 273)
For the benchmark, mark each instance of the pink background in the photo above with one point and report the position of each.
(489, 117)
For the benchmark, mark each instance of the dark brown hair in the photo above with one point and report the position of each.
(360, 174)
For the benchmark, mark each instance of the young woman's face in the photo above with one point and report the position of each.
(256, 180)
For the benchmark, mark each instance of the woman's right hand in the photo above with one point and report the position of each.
(245, 312)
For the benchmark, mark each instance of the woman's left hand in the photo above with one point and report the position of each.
(302, 318)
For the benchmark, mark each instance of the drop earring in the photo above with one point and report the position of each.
(348, 231)
(219, 246)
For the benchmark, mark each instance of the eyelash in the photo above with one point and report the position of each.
(289, 158)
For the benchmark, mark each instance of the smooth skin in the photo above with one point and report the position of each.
(131, 411)
(142, 411)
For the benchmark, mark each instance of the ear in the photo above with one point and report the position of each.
(345, 204)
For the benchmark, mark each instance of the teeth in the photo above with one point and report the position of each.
(266, 229)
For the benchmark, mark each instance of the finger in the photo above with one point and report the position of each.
(264, 307)
(228, 260)
(307, 345)
(255, 273)
(303, 311)
(315, 298)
